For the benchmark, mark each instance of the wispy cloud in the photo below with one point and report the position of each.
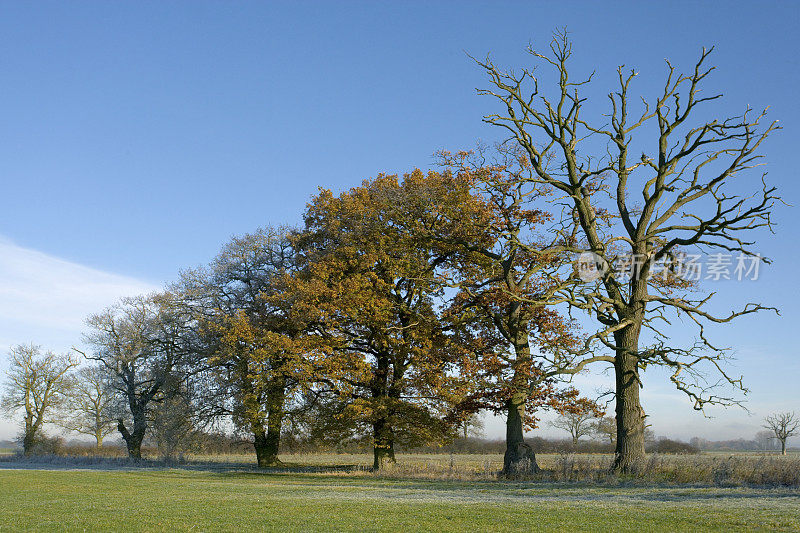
(45, 299)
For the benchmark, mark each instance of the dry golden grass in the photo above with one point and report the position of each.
(719, 469)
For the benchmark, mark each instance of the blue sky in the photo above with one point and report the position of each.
(135, 138)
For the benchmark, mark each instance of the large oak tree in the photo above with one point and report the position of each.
(514, 345)
(643, 186)
(252, 354)
(369, 288)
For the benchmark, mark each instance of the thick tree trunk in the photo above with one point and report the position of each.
(383, 447)
(138, 408)
(630, 415)
(519, 457)
(266, 443)
(133, 439)
(272, 443)
(266, 448)
(262, 448)
(271, 447)
(783, 447)
(383, 394)
(28, 441)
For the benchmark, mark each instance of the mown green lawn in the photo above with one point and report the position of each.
(166, 500)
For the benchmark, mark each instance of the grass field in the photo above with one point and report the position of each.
(165, 500)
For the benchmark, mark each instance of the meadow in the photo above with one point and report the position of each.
(422, 492)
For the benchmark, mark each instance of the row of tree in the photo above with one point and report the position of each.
(407, 304)
(778, 428)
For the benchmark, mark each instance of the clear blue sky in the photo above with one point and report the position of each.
(135, 138)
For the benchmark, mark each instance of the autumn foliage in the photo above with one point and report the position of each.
(399, 310)
(428, 291)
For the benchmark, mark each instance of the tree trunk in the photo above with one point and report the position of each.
(33, 424)
(383, 447)
(783, 447)
(28, 441)
(262, 448)
(384, 396)
(272, 447)
(275, 399)
(630, 415)
(519, 457)
(266, 443)
(133, 440)
(98, 430)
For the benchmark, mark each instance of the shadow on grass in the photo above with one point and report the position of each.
(440, 481)
(58, 462)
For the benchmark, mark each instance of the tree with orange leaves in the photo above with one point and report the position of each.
(509, 276)
(369, 289)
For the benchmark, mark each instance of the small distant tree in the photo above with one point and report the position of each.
(37, 383)
(90, 400)
(783, 426)
(473, 425)
(765, 440)
(606, 428)
(578, 420)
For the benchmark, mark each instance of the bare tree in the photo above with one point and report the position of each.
(690, 196)
(649, 434)
(783, 426)
(578, 424)
(171, 422)
(473, 425)
(91, 399)
(37, 383)
(606, 427)
(765, 440)
(141, 344)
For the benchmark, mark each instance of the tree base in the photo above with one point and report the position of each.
(519, 460)
(627, 464)
(270, 463)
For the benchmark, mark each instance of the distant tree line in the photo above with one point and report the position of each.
(763, 441)
(406, 305)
